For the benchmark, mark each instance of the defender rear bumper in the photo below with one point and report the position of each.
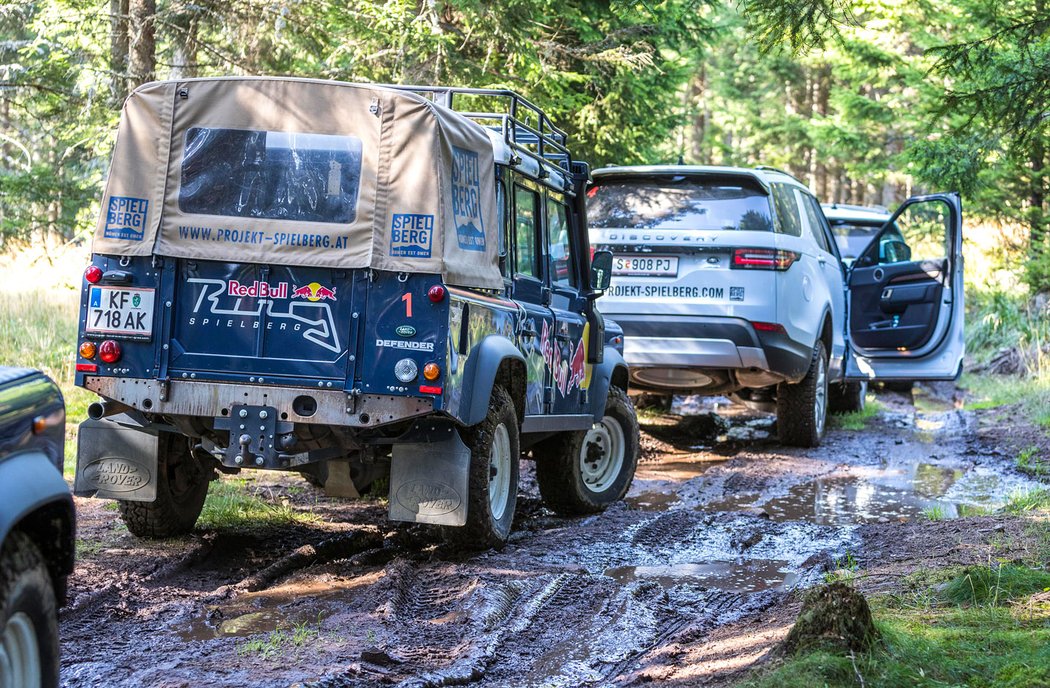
(211, 399)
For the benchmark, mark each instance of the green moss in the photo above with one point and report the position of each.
(233, 503)
(995, 585)
(857, 420)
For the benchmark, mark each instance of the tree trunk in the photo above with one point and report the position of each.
(1037, 199)
(118, 51)
(142, 25)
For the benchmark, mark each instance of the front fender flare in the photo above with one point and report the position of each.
(479, 376)
(601, 380)
(29, 483)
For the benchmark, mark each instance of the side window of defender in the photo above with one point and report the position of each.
(501, 213)
(526, 217)
(560, 257)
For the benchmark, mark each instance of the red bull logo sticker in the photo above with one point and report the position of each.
(257, 290)
(314, 291)
(569, 367)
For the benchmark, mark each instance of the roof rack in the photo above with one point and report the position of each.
(541, 141)
(767, 168)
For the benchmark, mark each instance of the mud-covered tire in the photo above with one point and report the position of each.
(28, 616)
(182, 485)
(847, 397)
(492, 492)
(583, 472)
(802, 408)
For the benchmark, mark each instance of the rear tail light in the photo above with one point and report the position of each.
(764, 258)
(431, 371)
(109, 351)
(436, 293)
(87, 367)
(88, 350)
(769, 327)
(93, 274)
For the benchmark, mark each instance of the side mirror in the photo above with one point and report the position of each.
(894, 250)
(601, 270)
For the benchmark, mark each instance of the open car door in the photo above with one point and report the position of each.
(906, 295)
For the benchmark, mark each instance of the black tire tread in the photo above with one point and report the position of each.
(26, 586)
(167, 517)
(557, 464)
(480, 532)
(796, 425)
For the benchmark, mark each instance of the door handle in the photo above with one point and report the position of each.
(822, 260)
(527, 330)
(563, 337)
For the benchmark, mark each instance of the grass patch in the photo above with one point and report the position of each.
(280, 641)
(993, 391)
(42, 333)
(857, 420)
(1002, 641)
(1028, 500)
(234, 503)
(935, 513)
(995, 585)
(1031, 462)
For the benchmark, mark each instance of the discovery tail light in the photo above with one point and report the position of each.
(763, 259)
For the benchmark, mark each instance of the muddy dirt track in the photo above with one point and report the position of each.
(686, 583)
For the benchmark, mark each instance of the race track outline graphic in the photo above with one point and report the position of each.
(322, 331)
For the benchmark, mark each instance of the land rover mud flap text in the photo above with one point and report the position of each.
(428, 482)
(116, 462)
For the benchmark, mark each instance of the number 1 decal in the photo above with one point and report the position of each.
(407, 298)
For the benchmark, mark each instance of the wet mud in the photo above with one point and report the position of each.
(679, 583)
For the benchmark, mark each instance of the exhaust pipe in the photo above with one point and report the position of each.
(104, 409)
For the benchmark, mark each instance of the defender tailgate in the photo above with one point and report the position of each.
(263, 320)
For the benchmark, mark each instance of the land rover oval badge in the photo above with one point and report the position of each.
(405, 331)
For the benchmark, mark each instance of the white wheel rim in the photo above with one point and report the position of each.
(499, 471)
(602, 454)
(20, 654)
(820, 399)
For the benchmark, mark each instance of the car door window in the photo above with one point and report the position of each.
(526, 214)
(920, 233)
(559, 257)
(788, 221)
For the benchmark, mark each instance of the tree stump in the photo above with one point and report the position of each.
(834, 617)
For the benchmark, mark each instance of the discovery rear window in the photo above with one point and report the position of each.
(272, 175)
(678, 202)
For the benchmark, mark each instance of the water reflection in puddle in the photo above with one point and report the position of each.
(900, 493)
(746, 576)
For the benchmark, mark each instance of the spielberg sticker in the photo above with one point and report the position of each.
(411, 235)
(126, 218)
(466, 199)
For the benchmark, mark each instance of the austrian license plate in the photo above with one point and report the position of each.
(646, 266)
(125, 312)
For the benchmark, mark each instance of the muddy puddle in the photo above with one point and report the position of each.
(728, 576)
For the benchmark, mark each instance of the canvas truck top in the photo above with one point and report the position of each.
(302, 172)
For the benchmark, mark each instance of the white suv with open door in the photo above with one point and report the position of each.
(728, 281)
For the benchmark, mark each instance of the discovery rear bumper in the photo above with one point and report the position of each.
(704, 353)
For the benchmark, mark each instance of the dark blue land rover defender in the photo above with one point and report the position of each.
(353, 282)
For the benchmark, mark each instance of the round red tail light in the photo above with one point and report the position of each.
(109, 352)
(93, 274)
(436, 293)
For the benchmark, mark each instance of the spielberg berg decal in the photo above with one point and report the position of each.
(466, 199)
(411, 235)
(312, 318)
(126, 218)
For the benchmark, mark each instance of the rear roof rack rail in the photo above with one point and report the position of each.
(526, 129)
(767, 168)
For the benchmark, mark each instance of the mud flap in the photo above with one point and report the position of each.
(429, 482)
(116, 462)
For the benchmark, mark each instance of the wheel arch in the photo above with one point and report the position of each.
(36, 501)
(494, 360)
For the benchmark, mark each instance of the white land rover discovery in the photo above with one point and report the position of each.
(729, 281)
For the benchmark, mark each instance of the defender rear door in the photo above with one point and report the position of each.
(906, 295)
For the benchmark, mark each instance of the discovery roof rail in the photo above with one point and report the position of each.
(767, 168)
